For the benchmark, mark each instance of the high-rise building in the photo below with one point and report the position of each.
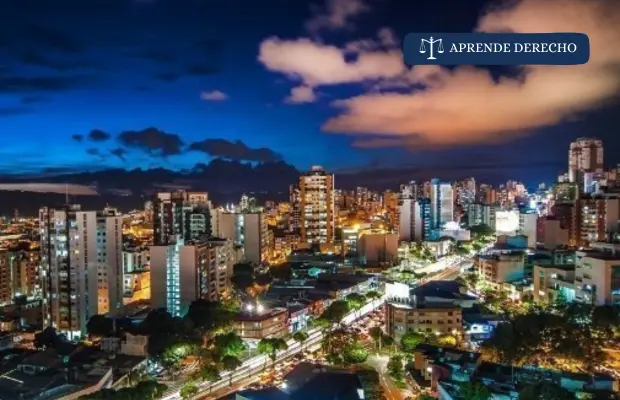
(585, 156)
(406, 225)
(81, 266)
(255, 237)
(180, 213)
(317, 211)
(295, 200)
(182, 272)
(465, 192)
(423, 220)
(442, 204)
(598, 217)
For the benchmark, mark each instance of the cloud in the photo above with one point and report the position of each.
(337, 14)
(119, 152)
(34, 100)
(94, 152)
(17, 84)
(386, 39)
(97, 135)
(39, 60)
(74, 190)
(152, 141)
(214, 95)
(52, 38)
(300, 95)
(466, 105)
(235, 150)
(77, 137)
(320, 64)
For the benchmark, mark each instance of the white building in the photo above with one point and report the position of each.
(442, 204)
(317, 207)
(82, 266)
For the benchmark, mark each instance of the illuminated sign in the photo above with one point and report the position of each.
(506, 221)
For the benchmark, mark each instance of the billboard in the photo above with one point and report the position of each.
(506, 222)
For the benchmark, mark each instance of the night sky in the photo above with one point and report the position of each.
(92, 84)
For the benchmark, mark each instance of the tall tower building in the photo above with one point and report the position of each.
(442, 204)
(316, 190)
(180, 214)
(585, 156)
(81, 266)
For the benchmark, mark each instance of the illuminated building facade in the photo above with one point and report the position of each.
(317, 211)
(180, 213)
(585, 156)
(81, 266)
(442, 204)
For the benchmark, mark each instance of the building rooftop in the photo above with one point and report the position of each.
(310, 382)
(600, 255)
(256, 316)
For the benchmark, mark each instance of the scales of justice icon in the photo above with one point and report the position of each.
(431, 42)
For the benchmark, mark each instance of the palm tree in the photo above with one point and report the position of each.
(300, 337)
(231, 363)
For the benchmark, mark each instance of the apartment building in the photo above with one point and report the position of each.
(597, 277)
(437, 318)
(501, 268)
(81, 266)
(551, 281)
(257, 324)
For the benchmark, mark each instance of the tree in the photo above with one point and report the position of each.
(265, 346)
(395, 367)
(300, 337)
(355, 353)
(373, 295)
(410, 340)
(356, 301)
(231, 363)
(47, 338)
(376, 334)
(336, 311)
(210, 373)
(188, 391)
(209, 315)
(474, 391)
(100, 325)
(229, 344)
(243, 277)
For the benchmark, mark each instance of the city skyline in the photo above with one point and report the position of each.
(100, 87)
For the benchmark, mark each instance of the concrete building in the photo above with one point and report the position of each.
(585, 156)
(136, 259)
(259, 323)
(551, 281)
(317, 207)
(178, 275)
(597, 277)
(255, 237)
(82, 266)
(501, 268)
(442, 204)
(181, 214)
(438, 318)
(553, 234)
(527, 227)
(186, 271)
(598, 217)
(377, 248)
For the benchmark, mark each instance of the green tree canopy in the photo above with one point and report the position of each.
(355, 353)
(396, 367)
(411, 340)
(474, 391)
(229, 344)
(100, 325)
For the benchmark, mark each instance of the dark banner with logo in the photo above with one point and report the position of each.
(496, 49)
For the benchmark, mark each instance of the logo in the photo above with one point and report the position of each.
(560, 48)
(431, 42)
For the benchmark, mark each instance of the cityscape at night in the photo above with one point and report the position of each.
(310, 200)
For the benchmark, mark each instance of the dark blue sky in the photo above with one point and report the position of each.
(156, 78)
